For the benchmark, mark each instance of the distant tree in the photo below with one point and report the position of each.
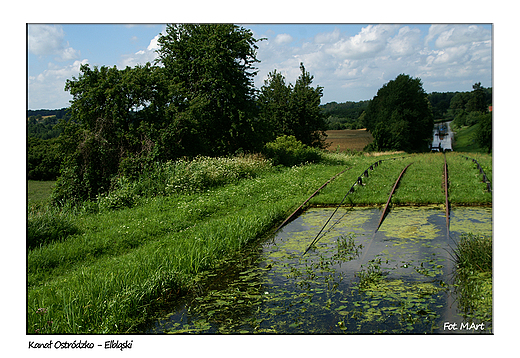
(484, 133)
(459, 101)
(399, 116)
(43, 158)
(440, 102)
(477, 100)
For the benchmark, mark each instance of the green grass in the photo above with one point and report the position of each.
(474, 282)
(465, 141)
(39, 191)
(108, 278)
(114, 272)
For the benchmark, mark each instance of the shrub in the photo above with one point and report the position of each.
(288, 151)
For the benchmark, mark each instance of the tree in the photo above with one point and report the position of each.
(105, 113)
(477, 100)
(274, 101)
(305, 104)
(292, 110)
(399, 116)
(484, 132)
(210, 71)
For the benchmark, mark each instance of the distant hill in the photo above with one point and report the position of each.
(59, 113)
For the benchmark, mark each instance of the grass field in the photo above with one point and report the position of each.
(465, 142)
(348, 139)
(116, 267)
(39, 191)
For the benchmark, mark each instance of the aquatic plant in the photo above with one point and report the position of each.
(473, 277)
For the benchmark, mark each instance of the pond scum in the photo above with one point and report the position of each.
(143, 246)
(351, 281)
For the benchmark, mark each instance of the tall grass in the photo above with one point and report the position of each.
(47, 224)
(474, 259)
(111, 276)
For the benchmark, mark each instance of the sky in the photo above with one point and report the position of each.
(350, 61)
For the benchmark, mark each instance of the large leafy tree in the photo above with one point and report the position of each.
(210, 70)
(310, 121)
(399, 116)
(274, 101)
(105, 113)
(292, 110)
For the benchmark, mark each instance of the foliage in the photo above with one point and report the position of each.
(440, 103)
(210, 72)
(474, 258)
(58, 113)
(197, 100)
(484, 133)
(399, 116)
(288, 151)
(477, 101)
(292, 110)
(43, 128)
(43, 159)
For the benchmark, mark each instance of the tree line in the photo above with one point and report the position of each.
(198, 98)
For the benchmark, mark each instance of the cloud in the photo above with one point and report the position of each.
(48, 40)
(406, 42)
(354, 67)
(141, 57)
(283, 39)
(366, 44)
(47, 90)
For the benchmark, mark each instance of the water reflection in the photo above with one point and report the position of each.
(354, 280)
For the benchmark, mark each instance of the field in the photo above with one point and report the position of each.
(114, 268)
(465, 142)
(39, 191)
(348, 139)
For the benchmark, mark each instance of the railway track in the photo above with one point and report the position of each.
(359, 181)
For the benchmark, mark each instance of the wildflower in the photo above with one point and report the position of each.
(41, 311)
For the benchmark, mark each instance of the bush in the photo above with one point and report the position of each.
(288, 151)
(48, 225)
(484, 133)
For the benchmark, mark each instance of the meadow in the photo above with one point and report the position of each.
(348, 139)
(121, 258)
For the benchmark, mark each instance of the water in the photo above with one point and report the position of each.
(354, 280)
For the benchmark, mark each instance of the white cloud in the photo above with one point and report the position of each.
(47, 89)
(46, 40)
(141, 57)
(406, 42)
(283, 39)
(354, 67)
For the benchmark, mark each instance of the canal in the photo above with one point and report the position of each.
(398, 279)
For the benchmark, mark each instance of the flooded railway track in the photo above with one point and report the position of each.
(375, 272)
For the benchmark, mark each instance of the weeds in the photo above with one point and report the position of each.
(473, 279)
(47, 224)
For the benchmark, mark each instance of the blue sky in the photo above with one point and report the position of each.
(350, 61)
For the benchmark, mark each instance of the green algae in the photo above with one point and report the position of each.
(352, 281)
(410, 223)
(471, 220)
